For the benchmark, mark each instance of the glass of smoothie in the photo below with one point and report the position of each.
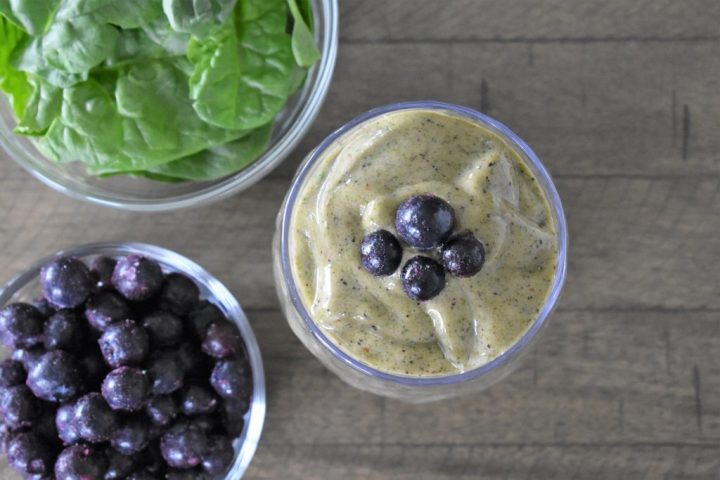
(420, 250)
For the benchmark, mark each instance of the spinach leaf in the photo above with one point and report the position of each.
(160, 31)
(42, 108)
(12, 81)
(199, 18)
(303, 43)
(220, 161)
(125, 14)
(29, 57)
(77, 45)
(31, 15)
(243, 75)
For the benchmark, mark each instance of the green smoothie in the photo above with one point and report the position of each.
(356, 187)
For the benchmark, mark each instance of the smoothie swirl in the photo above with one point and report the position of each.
(356, 187)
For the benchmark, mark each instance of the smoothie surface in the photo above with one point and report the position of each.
(355, 189)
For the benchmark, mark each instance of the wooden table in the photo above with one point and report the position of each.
(621, 99)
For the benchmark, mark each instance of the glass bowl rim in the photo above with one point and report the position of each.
(222, 295)
(230, 185)
(548, 187)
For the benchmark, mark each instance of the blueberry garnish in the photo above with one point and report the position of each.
(102, 269)
(126, 389)
(11, 373)
(124, 343)
(463, 255)
(162, 410)
(222, 339)
(81, 462)
(231, 379)
(422, 278)
(65, 330)
(27, 453)
(21, 325)
(137, 278)
(132, 436)
(183, 445)
(19, 408)
(95, 420)
(424, 221)
(106, 308)
(66, 282)
(66, 425)
(219, 455)
(165, 373)
(198, 400)
(164, 328)
(56, 377)
(380, 253)
(179, 294)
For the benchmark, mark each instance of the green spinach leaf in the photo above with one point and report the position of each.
(42, 108)
(12, 81)
(31, 15)
(199, 18)
(303, 43)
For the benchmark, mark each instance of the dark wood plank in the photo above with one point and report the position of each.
(553, 20)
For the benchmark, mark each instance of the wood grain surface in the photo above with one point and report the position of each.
(621, 100)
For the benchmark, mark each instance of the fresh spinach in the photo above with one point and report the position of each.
(303, 44)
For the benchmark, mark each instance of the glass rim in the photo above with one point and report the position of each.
(544, 180)
(254, 424)
(232, 184)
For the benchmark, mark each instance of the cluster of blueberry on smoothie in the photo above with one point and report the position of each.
(425, 223)
(120, 371)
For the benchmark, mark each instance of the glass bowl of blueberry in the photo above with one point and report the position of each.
(126, 361)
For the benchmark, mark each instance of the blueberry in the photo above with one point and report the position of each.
(196, 365)
(424, 221)
(93, 369)
(66, 425)
(137, 278)
(66, 282)
(219, 455)
(106, 308)
(132, 437)
(205, 315)
(43, 306)
(119, 465)
(19, 408)
(56, 377)
(165, 373)
(65, 330)
(81, 462)
(380, 253)
(164, 328)
(463, 255)
(179, 294)
(198, 400)
(124, 344)
(126, 388)
(232, 379)
(27, 453)
(102, 271)
(423, 278)
(233, 415)
(183, 445)
(222, 340)
(29, 357)
(21, 326)
(95, 420)
(162, 410)
(11, 373)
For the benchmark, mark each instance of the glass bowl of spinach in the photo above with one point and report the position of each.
(153, 105)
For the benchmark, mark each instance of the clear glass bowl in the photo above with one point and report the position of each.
(26, 286)
(137, 194)
(363, 376)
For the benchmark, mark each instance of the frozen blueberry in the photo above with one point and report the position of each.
(119, 465)
(124, 344)
(232, 379)
(423, 278)
(102, 271)
(19, 408)
(183, 445)
(132, 437)
(198, 400)
(29, 357)
(126, 388)
(56, 377)
(233, 415)
(21, 326)
(164, 328)
(27, 453)
(81, 462)
(65, 330)
(179, 294)
(95, 420)
(11, 373)
(93, 369)
(106, 308)
(222, 340)
(162, 410)
(66, 425)
(66, 282)
(463, 255)
(137, 278)
(219, 455)
(43, 306)
(165, 373)
(380, 253)
(424, 221)
(205, 315)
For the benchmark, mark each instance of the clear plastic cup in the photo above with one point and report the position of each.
(363, 376)
(26, 286)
